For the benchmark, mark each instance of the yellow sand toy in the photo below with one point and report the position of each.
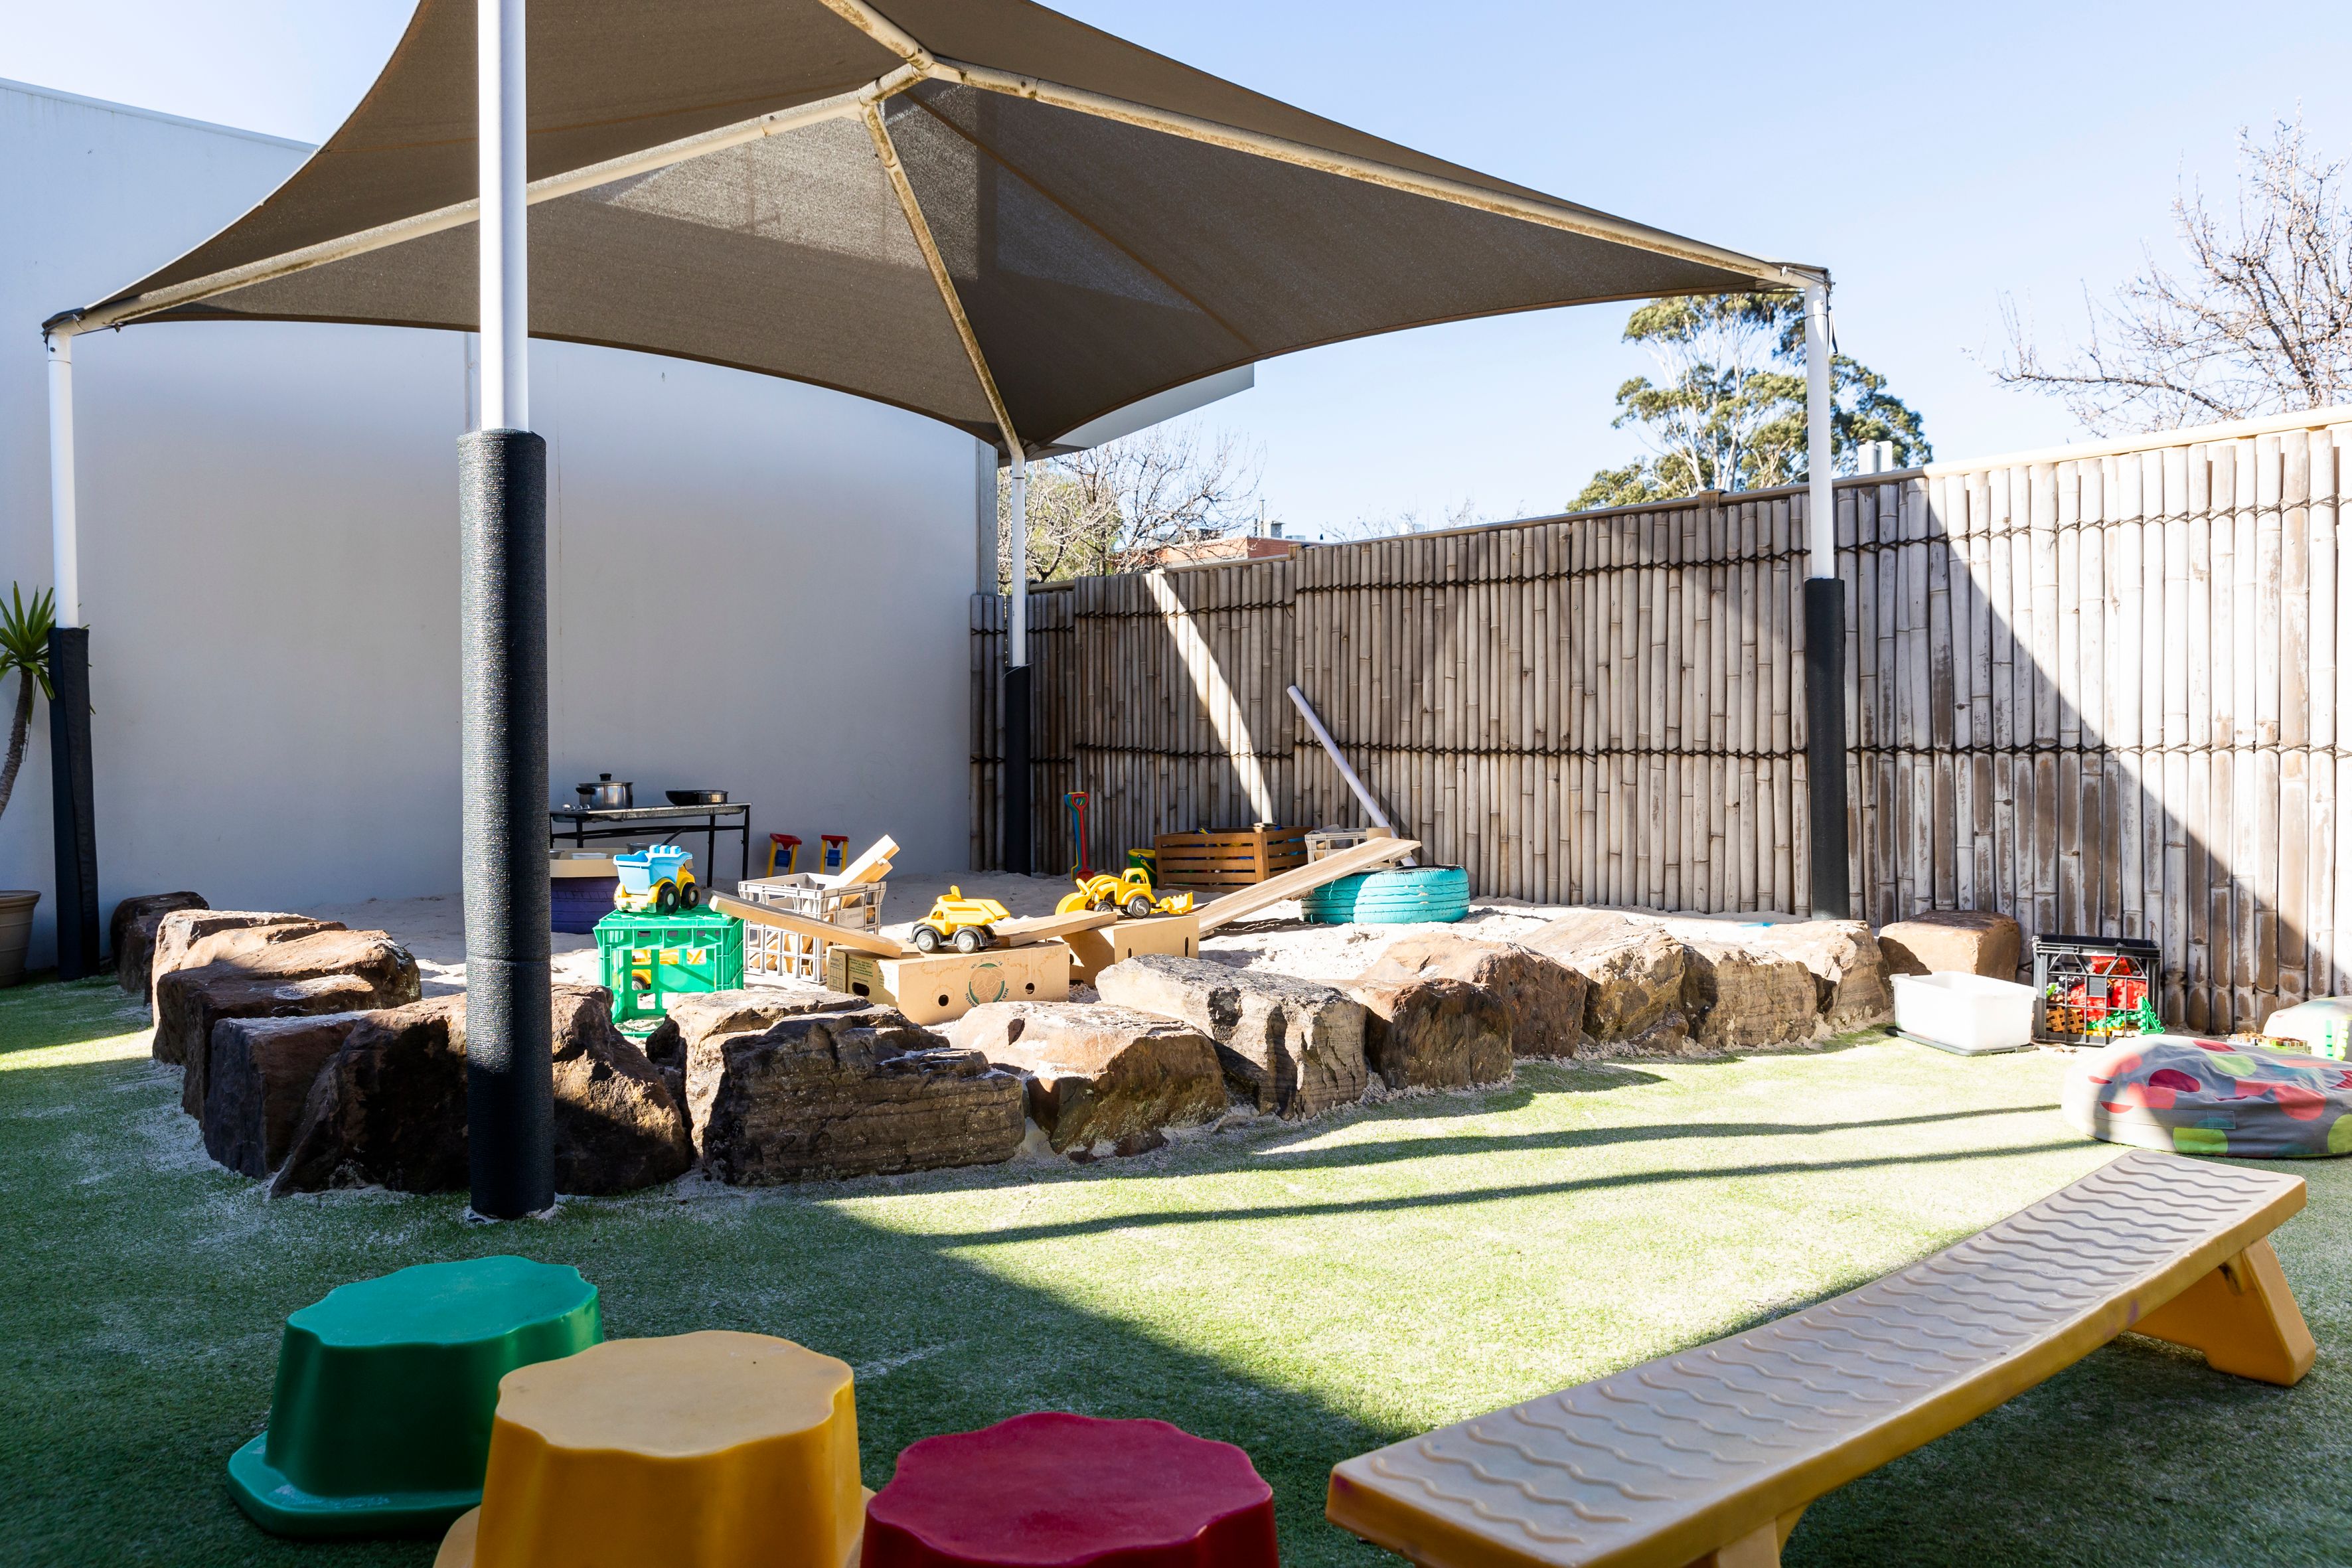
(963, 921)
(1130, 893)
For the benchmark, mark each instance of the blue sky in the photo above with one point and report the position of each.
(1935, 157)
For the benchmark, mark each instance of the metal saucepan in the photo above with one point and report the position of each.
(605, 794)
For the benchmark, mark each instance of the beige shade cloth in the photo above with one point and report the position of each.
(1079, 224)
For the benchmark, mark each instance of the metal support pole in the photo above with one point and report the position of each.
(72, 808)
(503, 559)
(1018, 854)
(1824, 629)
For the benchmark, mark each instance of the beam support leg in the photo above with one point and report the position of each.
(2244, 1316)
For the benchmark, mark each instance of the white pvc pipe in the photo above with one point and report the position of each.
(64, 549)
(503, 137)
(1016, 629)
(1822, 499)
(1363, 796)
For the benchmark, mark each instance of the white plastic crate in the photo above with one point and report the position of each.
(1972, 1014)
(767, 949)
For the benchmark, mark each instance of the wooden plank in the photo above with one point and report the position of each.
(1024, 930)
(1365, 856)
(815, 930)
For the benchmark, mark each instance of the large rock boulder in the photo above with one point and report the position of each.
(259, 1078)
(618, 1125)
(1100, 1074)
(131, 934)
(847, 1094)
(1635, 971)
(1738, 999)
(1291, 1046)
(702, 1015)
(188, 938)
(330, 970)
(1850, 983)
(388, 1109)
(1434, 1033)
(1544, 997)
(1942, 942)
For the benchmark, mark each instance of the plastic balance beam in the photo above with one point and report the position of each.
(1708, 1456)
(704, 1450)
(381, 1421)
(1052, 1490)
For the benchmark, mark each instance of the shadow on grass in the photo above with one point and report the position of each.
(46, 1011)
(1478, 1194)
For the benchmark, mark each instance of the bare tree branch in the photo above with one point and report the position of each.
(2261, 322)
(1114, 507)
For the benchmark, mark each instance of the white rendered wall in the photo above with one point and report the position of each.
(754, 585)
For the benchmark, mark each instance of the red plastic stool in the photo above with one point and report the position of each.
(1054, 1490)
(787, 845)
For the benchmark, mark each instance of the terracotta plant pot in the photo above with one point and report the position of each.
(16, 932)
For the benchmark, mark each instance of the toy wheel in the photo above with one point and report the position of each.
(927, 939)
(666, 899)
(690, 896)
(1138, 906)
(1100, 905)
(970, 939)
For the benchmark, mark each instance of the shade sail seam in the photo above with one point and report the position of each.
(1035, 184)
(888, 151)
(439, 220)
(1255, 143)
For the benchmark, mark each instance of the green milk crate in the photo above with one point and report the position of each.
(649, 958)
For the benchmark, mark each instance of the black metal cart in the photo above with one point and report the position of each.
(581, 827)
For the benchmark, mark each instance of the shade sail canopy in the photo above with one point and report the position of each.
(980, 210)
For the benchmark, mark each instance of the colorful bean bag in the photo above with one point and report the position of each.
(2207, 1097)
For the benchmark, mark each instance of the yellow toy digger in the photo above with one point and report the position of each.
(963, 921)
(1130, 893)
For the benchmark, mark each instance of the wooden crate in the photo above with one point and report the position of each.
(945, 986)
(1236, 858)
(1092, 951)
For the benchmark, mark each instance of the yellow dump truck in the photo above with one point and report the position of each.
(959, 921)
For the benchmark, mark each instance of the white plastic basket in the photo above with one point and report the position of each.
(1971, 1015)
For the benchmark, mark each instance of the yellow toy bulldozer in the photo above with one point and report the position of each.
(963, 921)
(1130, 893)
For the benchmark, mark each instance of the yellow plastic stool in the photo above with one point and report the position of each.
(706, 1450)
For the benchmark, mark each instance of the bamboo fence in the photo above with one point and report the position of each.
(2095, 687)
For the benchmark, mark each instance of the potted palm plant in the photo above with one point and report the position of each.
(25, 653)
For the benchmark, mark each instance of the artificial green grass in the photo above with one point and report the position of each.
(1306, 1292)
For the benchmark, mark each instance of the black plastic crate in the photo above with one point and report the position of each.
(2089, 989)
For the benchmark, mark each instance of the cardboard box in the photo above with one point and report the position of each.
(1092, 951)
(944, 987)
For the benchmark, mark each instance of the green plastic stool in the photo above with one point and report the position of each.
(381, 1421)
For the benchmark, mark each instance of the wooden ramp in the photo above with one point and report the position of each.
(1708, 1458)
(1370, 856)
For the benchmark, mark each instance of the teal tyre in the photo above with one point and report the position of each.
(1410, 896)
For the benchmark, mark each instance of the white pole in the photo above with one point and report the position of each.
(1016, 631)
(1347, 775)
(64, 555)
(506, 252)
(1822, 503)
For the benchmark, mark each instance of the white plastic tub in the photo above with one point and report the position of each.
(1970, 1013)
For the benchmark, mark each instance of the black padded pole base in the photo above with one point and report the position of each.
(72, 814)
(1017, 853)
(1825, 746)
(502, 624)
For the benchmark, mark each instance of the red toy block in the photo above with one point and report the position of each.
(1056, 1490)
